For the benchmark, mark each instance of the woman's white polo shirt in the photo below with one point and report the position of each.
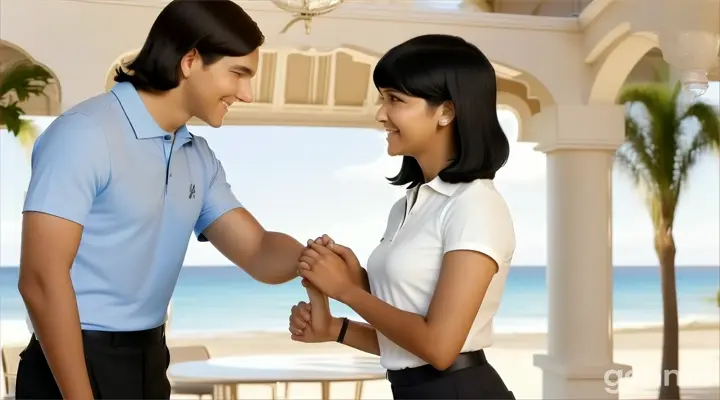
(404, 268)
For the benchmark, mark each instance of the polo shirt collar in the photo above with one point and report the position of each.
(142, 122)
(440, 186)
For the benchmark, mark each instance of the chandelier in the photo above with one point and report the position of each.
(305, 10)
(689, 37)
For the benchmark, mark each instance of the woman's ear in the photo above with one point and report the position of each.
(447, 113)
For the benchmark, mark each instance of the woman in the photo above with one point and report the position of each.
(434, 282)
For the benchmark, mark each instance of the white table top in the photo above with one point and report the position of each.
(279, 368)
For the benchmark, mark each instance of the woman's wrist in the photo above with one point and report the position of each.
(334, 331)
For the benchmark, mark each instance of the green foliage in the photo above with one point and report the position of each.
(659, 151)
(19, 81)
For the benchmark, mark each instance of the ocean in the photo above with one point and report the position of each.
(213, 300)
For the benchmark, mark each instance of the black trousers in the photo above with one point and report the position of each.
(121, 365)
(480, 382)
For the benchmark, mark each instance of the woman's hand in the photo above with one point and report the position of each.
(358, 274)
(312, 327)
(325, 270)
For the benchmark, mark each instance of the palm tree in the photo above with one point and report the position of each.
(19, 81)
(658, 154)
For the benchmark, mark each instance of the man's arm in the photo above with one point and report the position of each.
(269, 257)
(70, 165)
(49, 246)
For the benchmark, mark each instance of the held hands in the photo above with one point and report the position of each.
(325, 270)
(315, 328)
(347, 255)
(313, 323)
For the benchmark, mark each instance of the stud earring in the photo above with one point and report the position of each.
(443, 122)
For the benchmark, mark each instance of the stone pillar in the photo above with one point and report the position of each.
(580, 142)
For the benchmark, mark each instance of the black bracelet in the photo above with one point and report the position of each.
(345, 324)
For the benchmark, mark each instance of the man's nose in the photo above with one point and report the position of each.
(244, 92)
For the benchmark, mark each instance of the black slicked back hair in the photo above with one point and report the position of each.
(215, 28)
(444, 68)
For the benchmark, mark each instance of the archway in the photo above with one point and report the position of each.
(47, 105)
(617, 66)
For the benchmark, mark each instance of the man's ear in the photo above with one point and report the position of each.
(189, 62)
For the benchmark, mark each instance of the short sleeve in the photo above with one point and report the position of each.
(478, 219)
(70, 166)
(219, 199)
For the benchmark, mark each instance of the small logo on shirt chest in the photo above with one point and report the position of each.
(191, 192)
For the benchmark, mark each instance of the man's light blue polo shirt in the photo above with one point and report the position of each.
(139, 194)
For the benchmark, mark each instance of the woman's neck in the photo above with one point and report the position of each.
(436, 159)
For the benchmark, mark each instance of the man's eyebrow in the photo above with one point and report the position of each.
(243, 69)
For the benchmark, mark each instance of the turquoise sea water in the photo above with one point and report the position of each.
(215, 299)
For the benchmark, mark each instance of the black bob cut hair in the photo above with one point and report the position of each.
(444, 68)
(215, 28)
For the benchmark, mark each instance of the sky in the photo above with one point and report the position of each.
(306, 181)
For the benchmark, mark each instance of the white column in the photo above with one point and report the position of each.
(580, 142)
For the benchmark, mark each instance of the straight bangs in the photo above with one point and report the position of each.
(414, 73)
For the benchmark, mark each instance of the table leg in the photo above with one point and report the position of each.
(287, 390)
(358, 390)
(325, 389)
(225, 392)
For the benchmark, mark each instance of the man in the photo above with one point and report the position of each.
(118, 186)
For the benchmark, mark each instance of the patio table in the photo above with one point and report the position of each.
(226, 373)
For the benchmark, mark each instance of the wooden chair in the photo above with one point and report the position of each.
(180, 354)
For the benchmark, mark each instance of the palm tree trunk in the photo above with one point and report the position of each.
(665, 248)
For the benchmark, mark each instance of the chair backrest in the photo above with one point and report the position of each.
(10, 362)
(180, 354)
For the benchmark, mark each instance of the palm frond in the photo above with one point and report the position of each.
(10, 116)
(709, 119)
(24, 79)
(635, 157)
(704, 139)
(659, 151)
(18, 82)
